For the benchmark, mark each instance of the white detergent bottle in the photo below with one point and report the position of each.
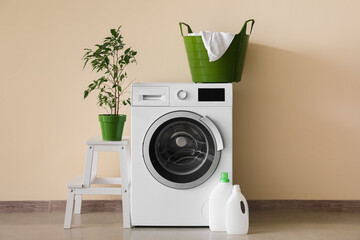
(217, 203)
(237, 213)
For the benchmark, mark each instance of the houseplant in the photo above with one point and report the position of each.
(110, 58)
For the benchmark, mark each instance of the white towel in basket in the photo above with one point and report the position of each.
(216, 43)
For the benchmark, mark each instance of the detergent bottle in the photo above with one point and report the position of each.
(217, 203)
(237, 213)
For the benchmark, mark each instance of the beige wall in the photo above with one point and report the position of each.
(296, 111)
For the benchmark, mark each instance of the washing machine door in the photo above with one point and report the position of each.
(182, 149)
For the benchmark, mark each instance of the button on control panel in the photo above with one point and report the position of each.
(181, 94)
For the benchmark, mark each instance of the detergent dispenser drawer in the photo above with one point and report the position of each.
(150, 96)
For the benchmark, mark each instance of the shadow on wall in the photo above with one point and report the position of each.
(296, 125)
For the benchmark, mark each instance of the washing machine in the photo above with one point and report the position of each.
(181, 141)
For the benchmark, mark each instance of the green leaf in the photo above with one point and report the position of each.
(102, 80)
(86, 93)
(121, 61)
(92, 86)
(86, 61)
(127, 59)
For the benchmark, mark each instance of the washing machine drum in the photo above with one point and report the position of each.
(182, 149)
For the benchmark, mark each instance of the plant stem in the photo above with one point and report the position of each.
(109, 87)
(118, 77)
(126, 86)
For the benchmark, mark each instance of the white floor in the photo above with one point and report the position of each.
(108, 225)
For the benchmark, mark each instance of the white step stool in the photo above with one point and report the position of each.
(82, 184)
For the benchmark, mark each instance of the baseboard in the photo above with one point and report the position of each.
(59, 205)
(116, 205)
(91, 206)
(305, 205)
(24, 206)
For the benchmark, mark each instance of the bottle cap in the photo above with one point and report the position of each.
(224, 177)
(237, 188)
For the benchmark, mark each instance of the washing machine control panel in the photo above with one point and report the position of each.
(182, 94)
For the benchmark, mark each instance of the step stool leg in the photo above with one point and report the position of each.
(88, 165)
(124, 171)
(69, 208)
(95, 162)
(78, 201)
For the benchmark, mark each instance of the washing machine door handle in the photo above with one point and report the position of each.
(215, 131)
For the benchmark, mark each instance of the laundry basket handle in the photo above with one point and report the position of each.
(188, 27)
(245, 26)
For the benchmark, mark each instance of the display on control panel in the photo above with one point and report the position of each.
(211, 94)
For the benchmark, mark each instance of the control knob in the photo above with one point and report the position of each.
(181, 94)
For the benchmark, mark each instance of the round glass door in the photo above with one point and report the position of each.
(180, 150)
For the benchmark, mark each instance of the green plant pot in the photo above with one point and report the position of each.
(112, 126)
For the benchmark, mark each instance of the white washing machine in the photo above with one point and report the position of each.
(181, 140)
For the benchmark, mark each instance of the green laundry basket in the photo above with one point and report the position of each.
(228, 68)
